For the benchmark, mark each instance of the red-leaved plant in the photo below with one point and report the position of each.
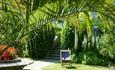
(8, 54)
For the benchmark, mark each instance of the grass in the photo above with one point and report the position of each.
(58, 66)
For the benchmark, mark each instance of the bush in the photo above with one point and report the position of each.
(106, 46)
(91, 58)
(103, 56)
(41, 41)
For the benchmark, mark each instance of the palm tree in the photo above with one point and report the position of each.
(35, 13)
(77, 12)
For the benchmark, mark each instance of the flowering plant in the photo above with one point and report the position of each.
(8, 54)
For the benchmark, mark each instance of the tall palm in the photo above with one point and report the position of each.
(37, 12)
(76, 12)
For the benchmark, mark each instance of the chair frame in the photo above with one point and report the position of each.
(64, 60)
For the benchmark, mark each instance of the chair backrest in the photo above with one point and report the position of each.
(65, 55)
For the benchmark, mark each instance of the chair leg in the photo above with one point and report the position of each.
(70, 64)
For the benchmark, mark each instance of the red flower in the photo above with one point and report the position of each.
(8, 54)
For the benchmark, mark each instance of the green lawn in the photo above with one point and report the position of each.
(57, 66)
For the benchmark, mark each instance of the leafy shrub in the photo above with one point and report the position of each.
(103, 56)
(91, 58)
(106, 46)
(41, 41)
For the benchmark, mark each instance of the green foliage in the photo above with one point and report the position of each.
(11, 30)
(104, 55)
(106, 46)
(39, 36)
(41, 41)
(91, 58)
(67, 36)
(100, 54)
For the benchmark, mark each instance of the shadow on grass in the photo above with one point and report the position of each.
(71, 67)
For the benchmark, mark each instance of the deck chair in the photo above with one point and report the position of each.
(65, 57)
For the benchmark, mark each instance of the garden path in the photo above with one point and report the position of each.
(38, 64)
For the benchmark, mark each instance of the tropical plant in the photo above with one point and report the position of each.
(77, 12)
(67, 36)
(30, 15)
(41, 41)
